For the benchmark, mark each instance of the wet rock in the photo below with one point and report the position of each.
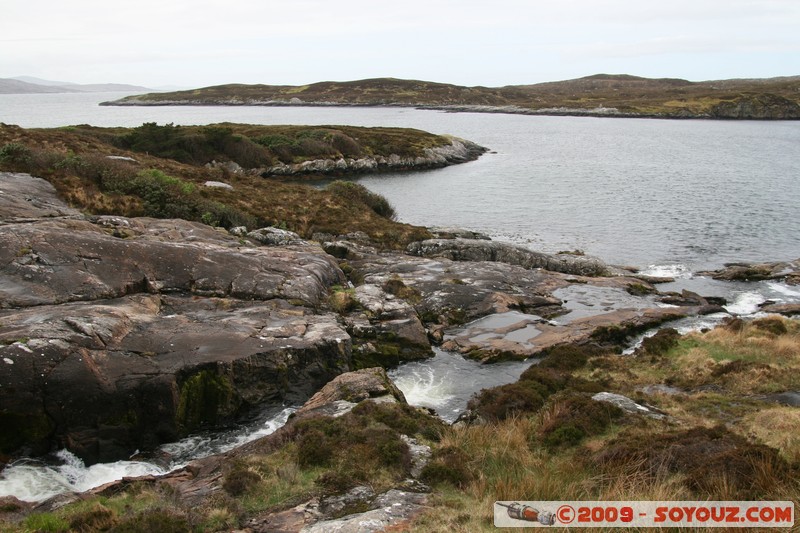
(517, 338)
(628, 405)
(107, 378)
(451, 293)
(354, 387)
(789, 271)
(439, 232)
(782, 309)
(480, 250)
(494, 311)
(387, 332)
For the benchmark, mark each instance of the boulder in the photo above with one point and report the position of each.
(782, 309)
(782, 270)
(218, 185)
(352, 387)
(483, 250)
(275, 237)
(757, 106)
(628, 405)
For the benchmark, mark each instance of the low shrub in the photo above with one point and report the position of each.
(716, 463)
(659, 344)
(530, 393)
(771, 324)
(505, 401)
(358, 193)
(364, 444)
(569, 356)
(574, 416)
(15, 156)
(98, 518)
(447, 465)
(239, 480)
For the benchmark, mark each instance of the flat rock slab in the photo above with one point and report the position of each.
(494, 311)
(60, 261)
(24, 198)
(392, 508)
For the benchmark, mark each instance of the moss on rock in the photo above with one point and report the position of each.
(205, 398)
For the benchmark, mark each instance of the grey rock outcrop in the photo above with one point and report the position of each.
(483, 250)
(494, 311)
(218, 185)
(788, 271)
(628, 405)
(275, 237)
(118, 334)
(353, 387)
(458, 151)
(25, 199)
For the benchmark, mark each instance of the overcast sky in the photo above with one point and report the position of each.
(469, 42)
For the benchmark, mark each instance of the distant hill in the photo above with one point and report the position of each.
(32, 85)
(12, 86)
(600, 94)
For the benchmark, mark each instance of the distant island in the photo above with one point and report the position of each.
(31, 85)
(598, 95)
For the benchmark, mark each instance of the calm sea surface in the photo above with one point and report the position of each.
(632, 191)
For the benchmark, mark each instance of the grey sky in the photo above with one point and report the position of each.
(200, 42)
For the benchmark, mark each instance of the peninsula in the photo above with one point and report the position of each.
(598, 95)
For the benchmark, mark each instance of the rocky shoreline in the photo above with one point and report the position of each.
(119, 334)
(748, 107)
(458, 151)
